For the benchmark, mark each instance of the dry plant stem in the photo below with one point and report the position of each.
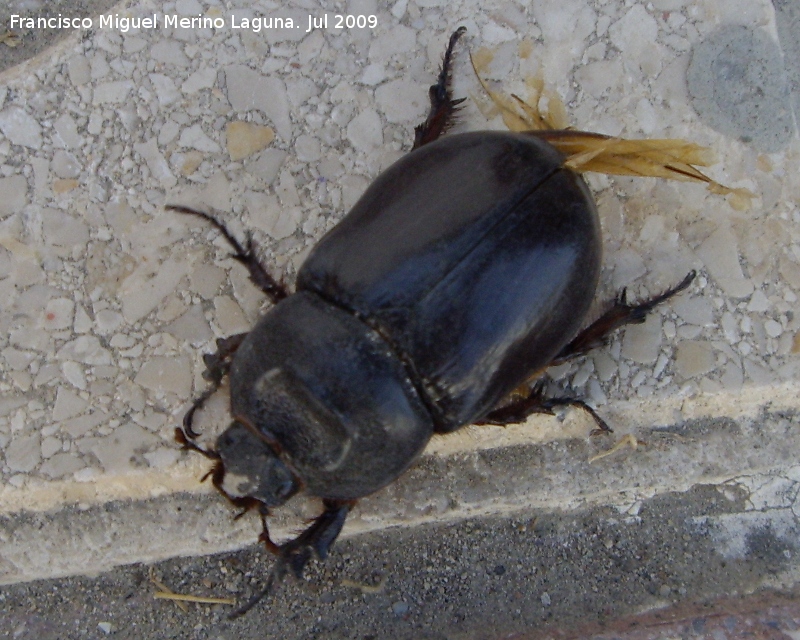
(163, 595)
(671, 159)
(165, 589)
(628, 440)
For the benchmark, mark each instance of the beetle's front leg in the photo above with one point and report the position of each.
(443, 107)
(295, 554)
(217, 475)
(218, 363)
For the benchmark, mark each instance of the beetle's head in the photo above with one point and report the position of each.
(253, 469)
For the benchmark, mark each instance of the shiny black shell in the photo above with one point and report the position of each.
(460, 273)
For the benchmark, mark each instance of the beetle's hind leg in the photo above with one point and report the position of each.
(443, 106)
(246, 255)
(620, 314)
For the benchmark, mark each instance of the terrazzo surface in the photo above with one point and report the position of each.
(108, 300)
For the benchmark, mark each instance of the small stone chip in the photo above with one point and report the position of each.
(642, 342)
(166, 374)
(20, 127)
(13, 194)
(155, 161)
(67, 405)
(201, 79)
(400, 101)
(112, 92)
(62, 186)
(23, 453)
(249, 90)
(191, 160)
(246, 138)
(365, 131)
(117, 450)
(195, 138)
(796, 343)
(720, 253)
(400, 608)
(694, 358)
(58, 313)
(229, 316)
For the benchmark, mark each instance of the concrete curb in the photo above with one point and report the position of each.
(753, 456)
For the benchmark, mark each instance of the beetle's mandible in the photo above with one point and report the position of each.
(465, 269)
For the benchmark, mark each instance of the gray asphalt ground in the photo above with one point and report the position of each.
(533, 575)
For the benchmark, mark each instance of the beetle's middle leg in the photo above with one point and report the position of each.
(443, 106)
(218, 363)
(620, 314)
(517, 411)
(217, 366)
(246, 255)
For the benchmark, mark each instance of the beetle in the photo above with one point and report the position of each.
(464, 271)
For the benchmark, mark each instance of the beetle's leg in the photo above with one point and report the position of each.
(319, 537)
(273, 289)
(620, 314)
(264, 537)
(443, 107)
(217, 366)
(295, 554)
(518, 410)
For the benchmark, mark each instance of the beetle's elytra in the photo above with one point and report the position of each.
(464, 270)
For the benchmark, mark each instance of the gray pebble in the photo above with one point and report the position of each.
(400, 608)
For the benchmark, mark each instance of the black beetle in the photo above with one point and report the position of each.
(462, 273)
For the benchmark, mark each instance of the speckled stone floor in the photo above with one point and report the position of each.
(108, 300)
